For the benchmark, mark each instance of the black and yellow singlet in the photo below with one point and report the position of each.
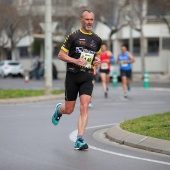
(86, 45)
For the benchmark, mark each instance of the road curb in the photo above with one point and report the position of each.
(31, 99)
(116, 134)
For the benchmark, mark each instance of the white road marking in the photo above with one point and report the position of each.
(154, 102)
(73, 136)
(159, 89)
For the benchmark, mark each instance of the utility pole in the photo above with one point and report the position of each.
(48, 47)
(130, 28)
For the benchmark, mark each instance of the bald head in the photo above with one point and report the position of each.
(86, 12)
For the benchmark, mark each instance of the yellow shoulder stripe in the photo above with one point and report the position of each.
(64, 49)
(98, 52)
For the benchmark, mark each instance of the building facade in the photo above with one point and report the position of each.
(155, 32)
(156, 35)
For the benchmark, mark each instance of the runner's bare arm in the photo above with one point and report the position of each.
(64, 57)
(109, 53)
(132, 60)
(97, 61)
(118, 61)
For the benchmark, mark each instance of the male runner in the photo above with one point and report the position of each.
(125, 59)
(80, 50)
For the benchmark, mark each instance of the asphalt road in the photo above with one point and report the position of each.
(29, 141)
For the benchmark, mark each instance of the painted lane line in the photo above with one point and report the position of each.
(99, 126)
(73, 136)
(129, 156)
(159, 89)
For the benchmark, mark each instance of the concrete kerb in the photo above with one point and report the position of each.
(116, 134)
(31, 99)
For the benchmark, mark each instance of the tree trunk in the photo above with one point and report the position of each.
(13, 48)
(13, 54)
(3, 54)
(109, 42)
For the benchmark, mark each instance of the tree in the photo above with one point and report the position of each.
(139, 16)
(66, 13)
(13, 26)
(161, 9)
(3, 38)
(141, 11)
(110, 13)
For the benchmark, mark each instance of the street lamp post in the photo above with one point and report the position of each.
(130, 40)
(48, 48)
(130, 32)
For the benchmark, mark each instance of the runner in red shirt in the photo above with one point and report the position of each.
(105, 57)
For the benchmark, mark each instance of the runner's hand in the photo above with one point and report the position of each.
(81, 62)
(97, 62)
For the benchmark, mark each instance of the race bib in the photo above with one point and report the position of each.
(89, 58)
(104, 66)
(124, 64)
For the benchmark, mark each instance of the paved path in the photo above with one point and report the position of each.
(114, 133)
(30, 141)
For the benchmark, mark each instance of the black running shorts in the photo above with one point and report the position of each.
(104, 71)
(78, 83)
(126, 73)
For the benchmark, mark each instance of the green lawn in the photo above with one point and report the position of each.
(17, 93)
(157, 126)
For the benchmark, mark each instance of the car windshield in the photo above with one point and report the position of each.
(13, 64)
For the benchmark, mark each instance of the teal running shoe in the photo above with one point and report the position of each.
(80, 145)
(55, 116)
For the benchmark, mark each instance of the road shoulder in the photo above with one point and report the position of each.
(31, 99)
(116, 134)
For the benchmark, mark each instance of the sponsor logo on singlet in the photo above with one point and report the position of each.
(82, 41)
(81, 49)
(93, 44)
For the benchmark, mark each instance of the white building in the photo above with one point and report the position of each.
(156, 43)
(156, 38)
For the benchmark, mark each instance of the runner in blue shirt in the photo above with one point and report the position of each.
(125, 59)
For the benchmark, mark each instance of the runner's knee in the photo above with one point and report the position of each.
(84, 106)
(69, 110)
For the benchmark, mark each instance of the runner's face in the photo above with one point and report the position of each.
(123, 49)
(103, 48)
(87, 21)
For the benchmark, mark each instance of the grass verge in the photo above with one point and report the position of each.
(157, 126)
(18, 93)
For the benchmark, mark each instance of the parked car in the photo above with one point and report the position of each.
(11, 68)
(41, 71)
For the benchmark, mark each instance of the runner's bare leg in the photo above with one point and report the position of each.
(124, 84)
(67, 107)
(83, 118)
